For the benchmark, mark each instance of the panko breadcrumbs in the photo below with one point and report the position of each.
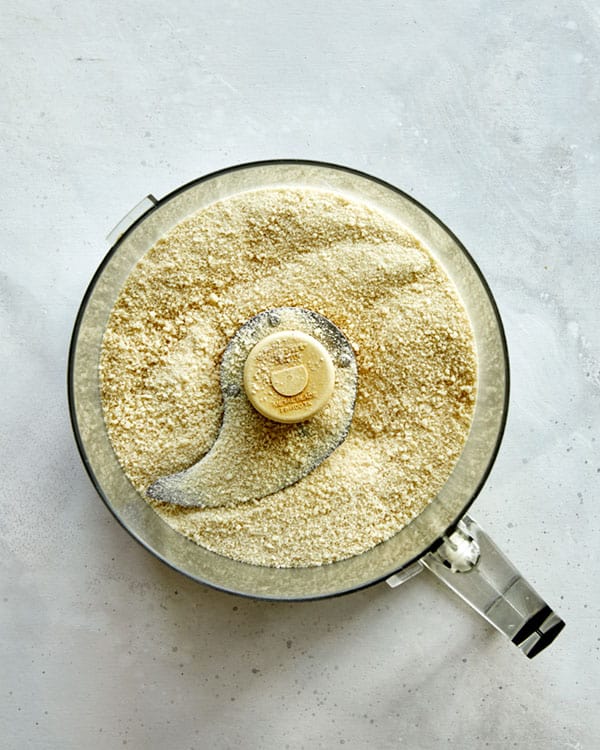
(414, 348)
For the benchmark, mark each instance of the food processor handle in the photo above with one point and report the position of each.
(471, 564)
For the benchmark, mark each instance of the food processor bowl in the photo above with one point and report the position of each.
(441, 538)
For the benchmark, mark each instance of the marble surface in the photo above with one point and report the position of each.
(486, 112)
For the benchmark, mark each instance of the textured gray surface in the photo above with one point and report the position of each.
(486, 112)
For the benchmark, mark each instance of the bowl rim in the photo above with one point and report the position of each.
(157, 203)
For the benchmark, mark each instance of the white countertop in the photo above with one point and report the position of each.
(486, 112)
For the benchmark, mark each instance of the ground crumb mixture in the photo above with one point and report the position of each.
(414, 349)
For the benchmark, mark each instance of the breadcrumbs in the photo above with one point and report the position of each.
(414, 348)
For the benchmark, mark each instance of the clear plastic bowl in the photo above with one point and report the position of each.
(442, 538)
(408, 544)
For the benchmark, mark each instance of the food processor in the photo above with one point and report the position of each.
(442, 538)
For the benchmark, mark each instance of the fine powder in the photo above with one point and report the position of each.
(322, 251)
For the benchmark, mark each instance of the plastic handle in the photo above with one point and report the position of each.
(136, 213)
(469, 563)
